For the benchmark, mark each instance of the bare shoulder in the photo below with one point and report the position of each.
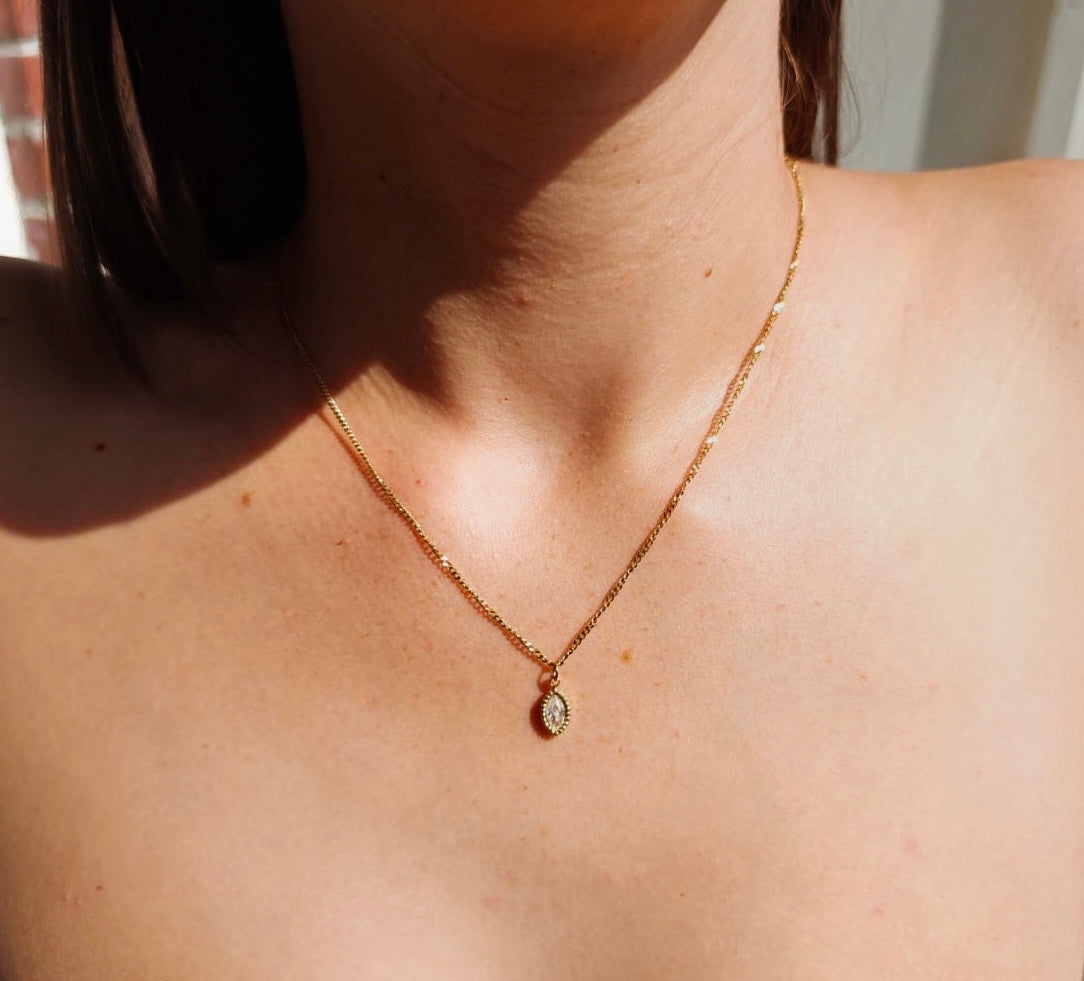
(45, 393)
(1025, 218)
(1026, 241)
(85, 444)
(1022, 221)
(1036, 200)
(1013, 234)
(1021, 217)
(111, 490)
(956, 301)
(983, 264)
(64, 406)
(1031, 235)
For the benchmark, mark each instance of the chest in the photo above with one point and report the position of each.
(828, 729)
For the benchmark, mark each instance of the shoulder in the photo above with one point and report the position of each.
(1017, 231)
(986, 256)
(1024, 218)
(961, 300)
(107, 484)
(1022, 222)
(1008, 239)
(1027, 196)
(84, 444)
(58, 396)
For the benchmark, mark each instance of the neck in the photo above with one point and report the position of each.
(561, 224)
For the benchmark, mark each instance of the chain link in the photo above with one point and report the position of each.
(734, 390)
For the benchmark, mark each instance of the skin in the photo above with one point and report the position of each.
(830, 729)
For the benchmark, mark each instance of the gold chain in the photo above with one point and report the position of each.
(734, 390)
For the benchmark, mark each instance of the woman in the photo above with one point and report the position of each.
(253, 728)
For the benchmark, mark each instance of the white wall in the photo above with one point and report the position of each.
(889, 49)
(12, 238)
(944, 83)
(1058, 125)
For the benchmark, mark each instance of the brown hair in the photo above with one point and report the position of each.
(216, 171)
(811, 73)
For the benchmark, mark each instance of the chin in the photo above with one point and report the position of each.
(599, 27)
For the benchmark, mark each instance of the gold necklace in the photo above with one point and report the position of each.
(554, 709)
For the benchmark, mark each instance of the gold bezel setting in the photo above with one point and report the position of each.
(552, 728)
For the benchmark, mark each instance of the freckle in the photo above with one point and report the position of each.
(709, 272)
(383, 178)
(682, 895)
(542, 832)
(246, 499)
(98, 887)
(620, 750)
(626, 656)
(862, 676)
(99, 447)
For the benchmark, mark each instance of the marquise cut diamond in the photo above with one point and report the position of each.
(555, 712)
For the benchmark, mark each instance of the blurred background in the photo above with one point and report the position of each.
(933, 83)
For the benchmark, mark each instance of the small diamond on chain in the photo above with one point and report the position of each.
(555, 712)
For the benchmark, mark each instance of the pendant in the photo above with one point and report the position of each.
(555, 712)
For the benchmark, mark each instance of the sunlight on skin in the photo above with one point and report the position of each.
(547, 188)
